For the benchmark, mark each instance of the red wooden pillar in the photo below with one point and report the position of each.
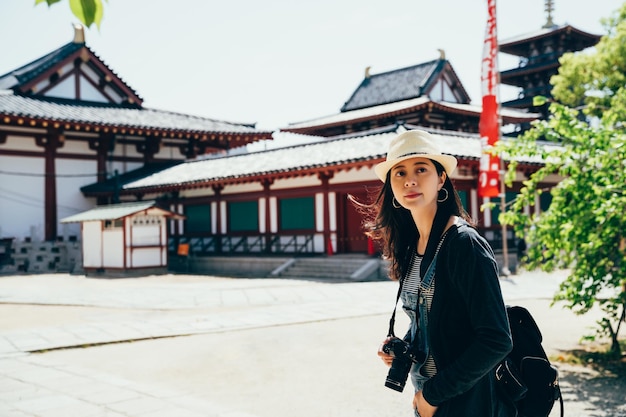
(268, 215)
(217, 189)
(50, 143)
(328, 245)
(102, 145)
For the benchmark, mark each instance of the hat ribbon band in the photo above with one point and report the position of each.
(411, 153)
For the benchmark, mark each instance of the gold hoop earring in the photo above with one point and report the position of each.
(445, 198)
(395, 203)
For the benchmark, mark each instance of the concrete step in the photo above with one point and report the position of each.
(341, 268)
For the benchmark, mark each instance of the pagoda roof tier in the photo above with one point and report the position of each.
(577, 40)
(519, 76)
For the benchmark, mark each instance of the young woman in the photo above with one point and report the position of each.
(458, 317)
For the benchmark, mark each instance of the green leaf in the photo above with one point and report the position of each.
(539, 101)
(88, 11)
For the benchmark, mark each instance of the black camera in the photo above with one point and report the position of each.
(404, 355)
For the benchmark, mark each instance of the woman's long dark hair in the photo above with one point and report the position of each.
(395, 229)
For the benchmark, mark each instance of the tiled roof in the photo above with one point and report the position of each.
(26, 73)
(376, 111)
(110, 185)
(33, 69)
(392, 86)
(368, 112)
(325, 153)
(97, 114)
(114, 212)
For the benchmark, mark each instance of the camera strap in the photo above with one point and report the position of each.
(430, 270)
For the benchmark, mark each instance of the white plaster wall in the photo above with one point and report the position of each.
(197, 192)
(143, 257)
(224, 217)
(318, 243)
(121, 167)
(22, 197)
(146, 235)
(65, 89)
(113, 248)
(319, 212)
(354, 175)
(41, 85)
(71, 175)
(332, 209)
(76, 146)
(146, 197)
(299, 182)
(243, 188)
(89, 73)
(122, 149)
(89, 92)
(168, 151)
(181, 222)
(214, 217)
(273, 215)
(113, 94)
(262, 209)
(92, 244)
(20, 143)
(66, 68)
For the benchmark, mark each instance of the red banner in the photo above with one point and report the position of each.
(489, 126)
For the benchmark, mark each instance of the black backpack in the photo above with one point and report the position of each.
(526, 376)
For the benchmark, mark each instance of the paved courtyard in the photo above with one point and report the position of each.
(182, 345)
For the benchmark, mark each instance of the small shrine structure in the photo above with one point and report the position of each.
(124, 239)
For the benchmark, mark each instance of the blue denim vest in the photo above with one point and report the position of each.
(415, 306)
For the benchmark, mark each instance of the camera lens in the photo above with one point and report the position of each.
(398, 374)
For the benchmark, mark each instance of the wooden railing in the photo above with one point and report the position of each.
(248, 244)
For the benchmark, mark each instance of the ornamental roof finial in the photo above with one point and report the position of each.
(79, 33)
(549, 9)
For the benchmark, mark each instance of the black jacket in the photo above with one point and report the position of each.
(468, 328)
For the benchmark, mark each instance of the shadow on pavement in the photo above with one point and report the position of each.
(603, 387)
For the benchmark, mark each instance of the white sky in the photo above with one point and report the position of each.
(274, 62)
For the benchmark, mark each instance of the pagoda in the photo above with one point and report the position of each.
(539, 54)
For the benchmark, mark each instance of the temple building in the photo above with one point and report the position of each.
(67, 120)
(429, 95)
(72, 129)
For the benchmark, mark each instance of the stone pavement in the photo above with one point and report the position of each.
(38, 314)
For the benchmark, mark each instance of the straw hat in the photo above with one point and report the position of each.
(413, 144)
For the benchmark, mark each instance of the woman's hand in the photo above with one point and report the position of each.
(424, 409)
(387, 358)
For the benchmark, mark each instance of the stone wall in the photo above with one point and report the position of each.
(29, 257)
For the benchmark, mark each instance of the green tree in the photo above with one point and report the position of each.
(88, 11)
(583, 141)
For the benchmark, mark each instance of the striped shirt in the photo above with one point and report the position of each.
(412, 284)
